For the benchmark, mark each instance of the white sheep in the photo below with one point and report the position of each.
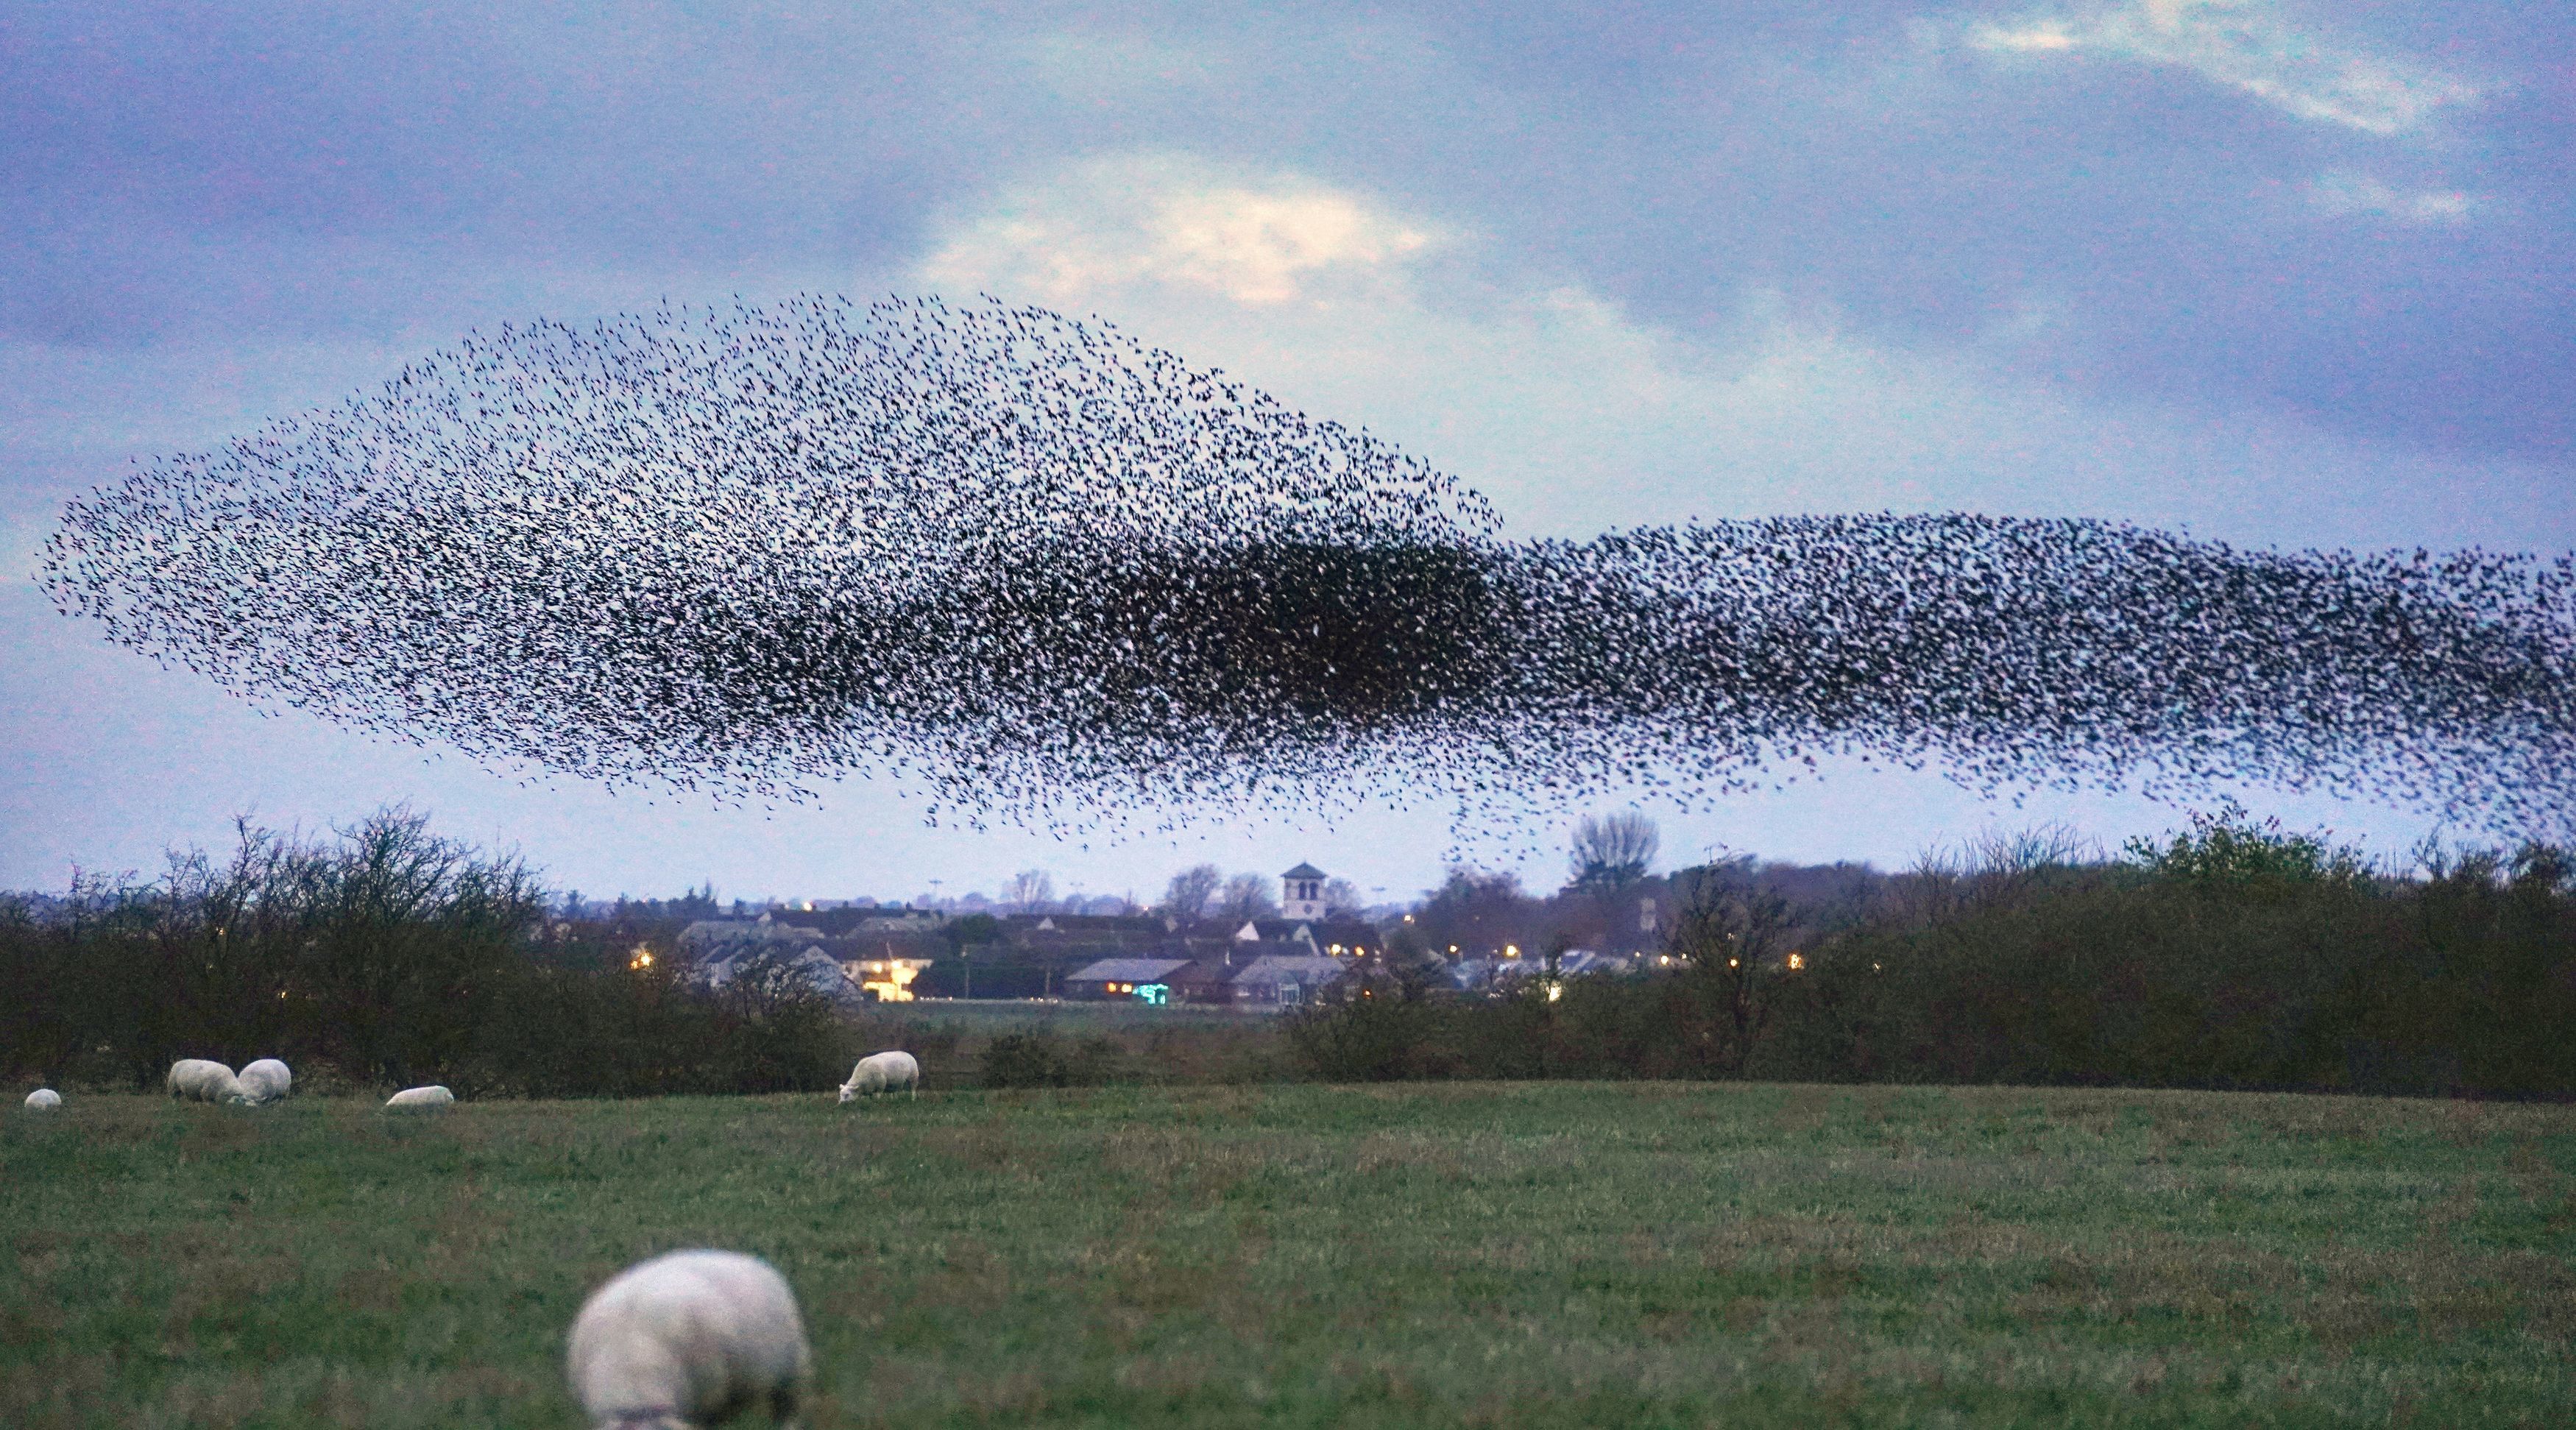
(882, 1072)
(203, 1080)
(44, 1099)
(431, 1096)
(689, 1338)
(264, 1082)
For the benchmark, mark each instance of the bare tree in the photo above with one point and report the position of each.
(1030, 891)
(1247, 896)
(1191, 890)
(1610, 854)
(1341, 899)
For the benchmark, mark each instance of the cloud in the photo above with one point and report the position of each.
(1162, 219)
(2344, 192)
(1574, 414)
(2247, 45)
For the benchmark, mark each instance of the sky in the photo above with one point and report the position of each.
(2285, 275)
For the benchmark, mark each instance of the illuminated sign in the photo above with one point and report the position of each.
(1155, 993)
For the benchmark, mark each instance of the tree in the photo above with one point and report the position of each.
(1191, 890)
(1341, 899)
(1030, 891)
(1727, 937)
(1610, 854)
(1247, 896)
(1481, 913)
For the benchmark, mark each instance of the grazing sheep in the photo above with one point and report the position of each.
(689, 1338)
(264, 1082)
(203, 1080)
(431, 1096)
(44, 1099)
(882, 1072)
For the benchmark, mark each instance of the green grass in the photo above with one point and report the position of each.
(1615, 1254)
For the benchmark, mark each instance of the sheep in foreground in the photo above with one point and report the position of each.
(882, 1072)
(689, 1338)
(264, 1082)
(203, 1080)
(44, 1099)
(431, 1096)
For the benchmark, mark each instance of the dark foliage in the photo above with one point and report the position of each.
(2232, 956)
(1038, 570)
(1042, 1058)
(388, 957)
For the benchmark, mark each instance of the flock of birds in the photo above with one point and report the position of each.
(1034, 570)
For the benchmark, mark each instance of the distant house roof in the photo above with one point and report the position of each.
(1128, 970)
(811, 966)
(1304, 871)
(1276, 968)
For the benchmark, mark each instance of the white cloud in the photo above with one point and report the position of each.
(2344, 192)
(1169, 220)
(2248, 45)
(1574, 416)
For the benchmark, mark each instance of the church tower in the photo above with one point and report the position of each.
(1301, 894)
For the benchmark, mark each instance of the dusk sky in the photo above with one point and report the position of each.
(2284, 275)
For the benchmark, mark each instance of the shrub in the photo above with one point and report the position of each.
(1035, 1059)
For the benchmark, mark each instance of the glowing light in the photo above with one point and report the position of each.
(1732, 962)
(889, 979)
(1555, 991)
(642, 959)
(1797, 961)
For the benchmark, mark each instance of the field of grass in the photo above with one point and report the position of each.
(1521, 1254)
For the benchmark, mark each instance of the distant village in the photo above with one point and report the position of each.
(1251, 942)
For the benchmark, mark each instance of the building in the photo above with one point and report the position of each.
(1301, 894)
(1286, 980)
(1142, 979)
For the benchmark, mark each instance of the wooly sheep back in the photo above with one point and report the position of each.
(431, 1096)
(882, 1072)
(44, 1099)
(203, 1080)
(265, 1081)
(689, 1338)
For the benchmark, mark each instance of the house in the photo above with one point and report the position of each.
(810, 966)
(1143, 979)
(1286, 980)
(1207, 980)
(1320, 938)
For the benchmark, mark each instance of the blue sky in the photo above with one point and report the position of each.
(2284, 274)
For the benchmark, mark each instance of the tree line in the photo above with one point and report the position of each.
(2229, 955)
(385, 955)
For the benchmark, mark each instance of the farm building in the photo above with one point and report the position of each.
(1139, 978)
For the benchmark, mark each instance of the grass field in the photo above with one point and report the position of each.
(1622, 1254)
